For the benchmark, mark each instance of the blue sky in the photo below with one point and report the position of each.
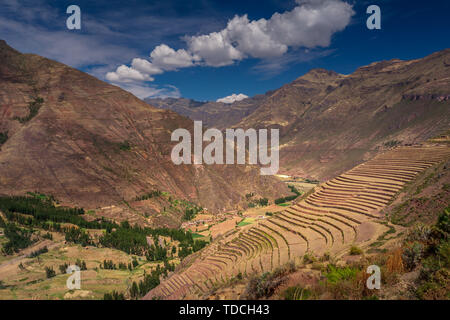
(207, 50)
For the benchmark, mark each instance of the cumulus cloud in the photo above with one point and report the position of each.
(311, 24)
(168, 59)
(127, 74)
(215, 49)
(254, 38)
(145, 67)
(163, 58)
(233, 98)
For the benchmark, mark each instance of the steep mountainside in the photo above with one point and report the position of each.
(330, 122)
(340, 213)
(91, 144)
(213, 114)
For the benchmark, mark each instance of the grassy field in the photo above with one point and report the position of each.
(246, 221)
(25, 278)
(197, 236)
(286, 204)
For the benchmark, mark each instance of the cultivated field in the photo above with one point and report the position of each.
(341, 212)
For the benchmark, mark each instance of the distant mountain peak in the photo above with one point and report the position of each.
(233, 98)
(320, 75)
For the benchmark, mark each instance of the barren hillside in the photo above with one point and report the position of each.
(330, 122)
(213, 114)
(92, 144)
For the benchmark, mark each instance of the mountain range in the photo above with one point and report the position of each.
(92, 144)
(330, 122)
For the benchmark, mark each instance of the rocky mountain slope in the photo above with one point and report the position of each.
(213, 114)
(92, 144)
(340, 213)
(330, 122)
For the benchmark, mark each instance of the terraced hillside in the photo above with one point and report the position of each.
(341, 212)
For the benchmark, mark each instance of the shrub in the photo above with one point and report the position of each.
(108, 265)
(420, 232)
(443, 225)
(81, 264)
(412, 254)
(288, 198)
(436, 288)
(297, 293)
(114, 295)
(77, 235)
(263, 286)
(63, 268)
(125, 146)
(152, 194)
(392, 143)
(49, 272)
(33, 109)
(3, 137)
(355, 251)
(336, 274)
(309, 258)
(17, 238)
(394, 262)
(38, 252)
(326, 256)
(48, 236)
(317, 266)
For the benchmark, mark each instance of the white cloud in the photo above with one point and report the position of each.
(127, 74)
(214, 49)
(145, 66)
(253, 38)
(233, 98)
(168, 59)
(311, 24)
(163, 58)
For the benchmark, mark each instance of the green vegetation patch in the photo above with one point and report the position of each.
(392, 143)
(245, 221)
(33, 109)
(354, 251)
(284, 204)
(336, 274)
(281, 201)
(196, 235)
(297, 293)
(3, 137)
(261, 202)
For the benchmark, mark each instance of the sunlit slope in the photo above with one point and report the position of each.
(339, 213)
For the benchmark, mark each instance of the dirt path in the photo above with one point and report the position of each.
(24, 253)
